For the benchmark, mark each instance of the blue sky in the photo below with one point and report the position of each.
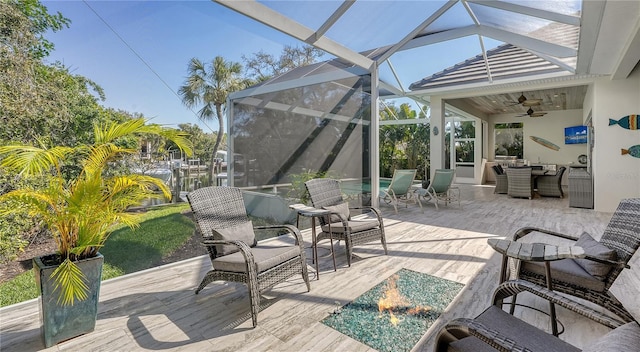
(167, 34)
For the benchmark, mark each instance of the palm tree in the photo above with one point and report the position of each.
(210, 85)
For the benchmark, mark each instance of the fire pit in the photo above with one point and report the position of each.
(395, 314)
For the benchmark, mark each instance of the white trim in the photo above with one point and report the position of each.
(529, 11)
(434, 16)
(374, 138)
(284, 24)
(299, 82)
(592, 13)
(527, 42)
(630, 56)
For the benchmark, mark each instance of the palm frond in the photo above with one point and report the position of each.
(30, 160)
(109, 132)
(70, 283)
(100, 155)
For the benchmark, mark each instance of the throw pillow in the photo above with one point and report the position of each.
(339, 211)
(243, 232)
(623, 338)
(595, 249)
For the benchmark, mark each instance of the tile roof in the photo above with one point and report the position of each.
(505, 62)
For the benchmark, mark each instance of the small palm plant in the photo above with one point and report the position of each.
(81, 212)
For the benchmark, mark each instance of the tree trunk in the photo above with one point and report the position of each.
(216, 146)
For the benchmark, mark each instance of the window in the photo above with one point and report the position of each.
(508, 139)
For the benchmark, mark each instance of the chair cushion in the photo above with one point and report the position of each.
(524, 334)
(598, 250)
(354, 226)
(243, 232)
(566, 270)
(341, 211)
(265, 257)
(625, 338)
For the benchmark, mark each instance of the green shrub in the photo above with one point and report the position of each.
(298, 189)
(18, 228)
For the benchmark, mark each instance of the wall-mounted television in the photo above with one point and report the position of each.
(575, 135)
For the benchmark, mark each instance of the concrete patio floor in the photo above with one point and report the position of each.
(157, 309)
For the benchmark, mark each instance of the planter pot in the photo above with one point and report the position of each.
(63, 322)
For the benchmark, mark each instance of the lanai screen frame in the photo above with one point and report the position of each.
(344, 118)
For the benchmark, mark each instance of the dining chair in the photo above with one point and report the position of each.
(551, 185)
(502, 185)
(520, 182)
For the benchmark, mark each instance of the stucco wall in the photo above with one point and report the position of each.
(616, 176)
(550, 127)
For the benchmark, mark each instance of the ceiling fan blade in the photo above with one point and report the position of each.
(538, 114)
(532, 102)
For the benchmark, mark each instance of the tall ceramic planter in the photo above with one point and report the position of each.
(63, 322)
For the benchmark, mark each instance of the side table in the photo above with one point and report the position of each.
(535, 252)
(313, 213)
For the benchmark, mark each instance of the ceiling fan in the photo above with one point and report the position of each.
(522, 100)
(532, 113)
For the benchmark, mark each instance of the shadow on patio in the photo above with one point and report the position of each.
(157, 309)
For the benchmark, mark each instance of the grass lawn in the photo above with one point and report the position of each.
(161, 232)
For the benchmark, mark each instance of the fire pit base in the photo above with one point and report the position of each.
(399, 328)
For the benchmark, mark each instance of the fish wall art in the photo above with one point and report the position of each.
(630, 122)
(633, 151)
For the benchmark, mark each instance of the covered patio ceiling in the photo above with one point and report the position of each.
(580, 40)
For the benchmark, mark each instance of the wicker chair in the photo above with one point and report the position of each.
(520, 183)
(399, 190)
(551, 185)
(592, 277)
(228, 234)
(496, 330)
(502, 185)
(325, 193)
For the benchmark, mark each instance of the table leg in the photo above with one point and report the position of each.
(552, 307)
(315, 246)
(333, 252)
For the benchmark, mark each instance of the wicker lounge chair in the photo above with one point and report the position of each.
(501, 180)
(228, 234)
(440, 190)
(520, 183)
(591, 278)
(496, 330)
(399, 189)
(325, 194)
(551, 185)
